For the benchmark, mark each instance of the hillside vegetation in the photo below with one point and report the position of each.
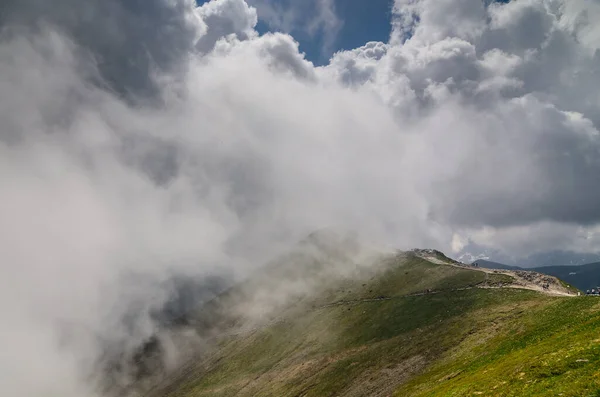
(411, 326)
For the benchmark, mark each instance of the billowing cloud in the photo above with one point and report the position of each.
(145, 143)
(224, 19)
(130, 43)
(358, 66)
(507, 96)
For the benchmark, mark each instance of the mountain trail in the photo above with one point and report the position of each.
(523, 279)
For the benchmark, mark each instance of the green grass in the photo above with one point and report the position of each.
(552, 348)
(374, 333)
(497, 279)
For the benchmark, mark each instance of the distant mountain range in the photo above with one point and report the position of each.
(474, 252)
(583, 277)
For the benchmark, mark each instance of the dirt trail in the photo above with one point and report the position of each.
(523, 279)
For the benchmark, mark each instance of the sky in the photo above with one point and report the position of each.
(340, 24)
(358, 23)
(146, 141)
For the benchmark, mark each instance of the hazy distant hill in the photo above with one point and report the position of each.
(494, 265)
(559, 258)
(583, 277)
(474, 252)
(406, 326)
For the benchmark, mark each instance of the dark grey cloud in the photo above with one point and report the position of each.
(543, 171)
(130, 41)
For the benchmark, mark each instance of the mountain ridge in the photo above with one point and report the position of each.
(415, 324)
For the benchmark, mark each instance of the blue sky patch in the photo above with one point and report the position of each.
(361, 21)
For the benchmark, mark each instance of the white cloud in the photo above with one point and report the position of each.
(578, 17)
(224, 18)
(357, 66)
(458, 243)
(428, 21)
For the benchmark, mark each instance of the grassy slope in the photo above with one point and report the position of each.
(372, 335)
